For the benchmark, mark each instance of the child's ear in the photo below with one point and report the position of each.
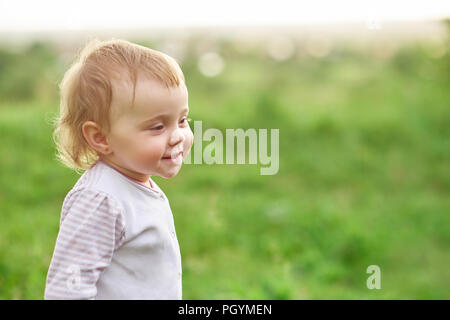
(94, 136)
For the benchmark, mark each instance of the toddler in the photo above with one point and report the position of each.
(123, 118)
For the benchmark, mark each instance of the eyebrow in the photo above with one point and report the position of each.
(163, 115)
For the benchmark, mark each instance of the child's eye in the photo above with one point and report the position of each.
(160, 127)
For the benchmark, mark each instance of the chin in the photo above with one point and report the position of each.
(169, 175)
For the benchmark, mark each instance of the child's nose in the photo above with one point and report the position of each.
(176, 137)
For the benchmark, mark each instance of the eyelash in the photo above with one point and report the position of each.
(161, 126)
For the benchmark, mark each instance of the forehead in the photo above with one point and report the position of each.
(150, 98)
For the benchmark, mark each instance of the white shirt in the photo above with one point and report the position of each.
(116, 240)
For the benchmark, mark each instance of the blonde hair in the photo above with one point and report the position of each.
(86, 91)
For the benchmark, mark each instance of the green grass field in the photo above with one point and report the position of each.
(364, 179)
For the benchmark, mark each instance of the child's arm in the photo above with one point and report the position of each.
(92, 227)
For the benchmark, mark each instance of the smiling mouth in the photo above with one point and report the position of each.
(174, 156)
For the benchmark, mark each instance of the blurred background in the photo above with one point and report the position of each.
(359, 91)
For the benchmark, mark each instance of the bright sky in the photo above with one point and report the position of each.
(21, 15)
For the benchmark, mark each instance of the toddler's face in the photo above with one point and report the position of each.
(153, 136)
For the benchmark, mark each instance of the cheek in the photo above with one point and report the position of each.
(154, 149)
(120, 143)
(189, 138)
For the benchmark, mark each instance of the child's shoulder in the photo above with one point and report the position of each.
(91, 201)
(101, 178)
(95, 182)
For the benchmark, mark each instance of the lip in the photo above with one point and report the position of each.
(174, 158)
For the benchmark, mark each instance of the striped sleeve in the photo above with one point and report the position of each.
(91, 229)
